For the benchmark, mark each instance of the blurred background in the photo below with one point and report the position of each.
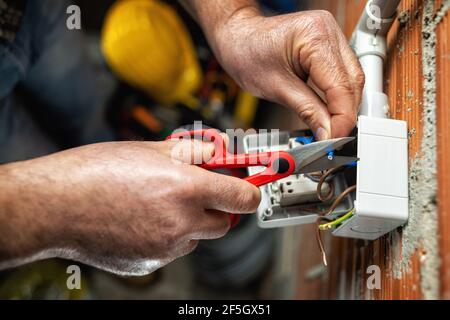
(138, 70)
(146, 69)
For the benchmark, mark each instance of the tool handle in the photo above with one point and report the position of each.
(230, 161)
(280, 167)
(221, 158)
(279, 164)
(220, 152)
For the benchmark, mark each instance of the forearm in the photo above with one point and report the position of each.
(26, 223)
(212, 15)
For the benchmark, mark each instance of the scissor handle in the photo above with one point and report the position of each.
(279, 164)
(211, 135)
(224, 160)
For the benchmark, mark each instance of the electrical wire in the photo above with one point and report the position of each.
(326, 217)
(315, 176)
(339, 199)
(320, 243)
(338, 221)
(323, 179)
(320, 179)
(327, 226)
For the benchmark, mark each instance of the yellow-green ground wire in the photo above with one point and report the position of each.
(332, 224)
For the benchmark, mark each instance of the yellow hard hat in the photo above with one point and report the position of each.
(147, 44)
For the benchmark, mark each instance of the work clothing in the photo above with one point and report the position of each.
(52, 92)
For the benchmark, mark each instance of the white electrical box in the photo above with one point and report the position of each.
(293, 200)
(381, 203)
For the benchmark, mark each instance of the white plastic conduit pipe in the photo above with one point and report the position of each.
(369, 42)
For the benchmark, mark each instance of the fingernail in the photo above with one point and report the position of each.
(322, 134)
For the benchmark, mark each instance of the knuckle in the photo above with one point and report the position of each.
(180, 191)
(170, 234)
(307, 112)
(325, 14)
(184, 227)
(178, 230)
(187, 188)
(352, 118)
(170, 240)
(318, 35)
(317, 43)
(321, 19)
(345, 87)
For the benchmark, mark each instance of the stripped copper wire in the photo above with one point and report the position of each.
(333, 206)
(320, 242)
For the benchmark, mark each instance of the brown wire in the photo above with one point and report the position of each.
(333, 207)
(326, 198)
(320, 242)
(339, 199)
(323, 178)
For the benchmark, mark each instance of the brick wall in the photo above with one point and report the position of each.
(414, 261)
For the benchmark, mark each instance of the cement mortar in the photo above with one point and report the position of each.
(421, 233)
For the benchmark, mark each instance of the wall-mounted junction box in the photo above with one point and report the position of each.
(292, 200)
(381, 203)
(381, 197)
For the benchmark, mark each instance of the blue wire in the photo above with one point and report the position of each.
(352, 164)
(309, 140)
(305, 140)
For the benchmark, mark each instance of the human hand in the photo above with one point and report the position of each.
(273, 57)
(125, 207)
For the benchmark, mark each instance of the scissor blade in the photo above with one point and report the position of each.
(307, 154)
(325, 164)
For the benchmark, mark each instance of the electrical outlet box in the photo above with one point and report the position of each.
(381, 203)
(292, 200)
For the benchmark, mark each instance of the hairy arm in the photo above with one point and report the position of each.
(211, 15)
(27, 225)
(274, 57)
(125, 207)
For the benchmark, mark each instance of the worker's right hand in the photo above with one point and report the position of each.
(273, 57)
(125, 207)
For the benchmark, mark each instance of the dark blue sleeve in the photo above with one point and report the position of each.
(64, 76)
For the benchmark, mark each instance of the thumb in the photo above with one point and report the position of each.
(296, 95)
(192, 151)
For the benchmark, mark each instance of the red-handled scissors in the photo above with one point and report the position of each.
(279, 164)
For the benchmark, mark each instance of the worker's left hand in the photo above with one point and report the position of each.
(273, 57)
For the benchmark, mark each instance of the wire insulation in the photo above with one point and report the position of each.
(326, 217)
(338, 221)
